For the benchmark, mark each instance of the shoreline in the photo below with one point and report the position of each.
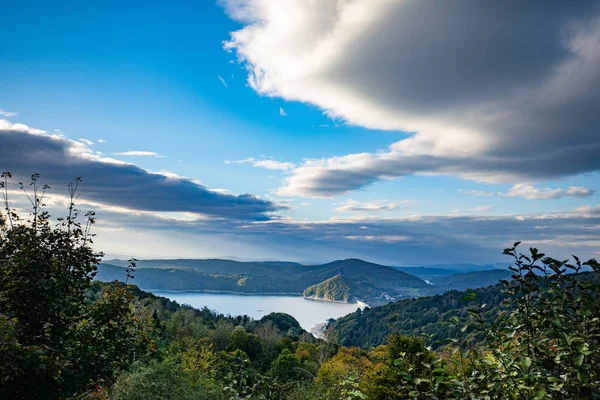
(361, 304)
(314, 298)
(318, 330)
(226, 292)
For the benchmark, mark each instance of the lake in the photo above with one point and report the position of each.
(307, 312)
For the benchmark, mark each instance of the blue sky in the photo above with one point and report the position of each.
(381, 129)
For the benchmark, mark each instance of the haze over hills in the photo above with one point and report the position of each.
(449, 278)
(473, 280)
(360, 280)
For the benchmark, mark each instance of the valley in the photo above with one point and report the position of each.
(347, 281)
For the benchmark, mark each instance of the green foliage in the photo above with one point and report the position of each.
(283, 322)
(286, 367)
(424, 315)
(548, 344)
(162, 380)
(58, 344)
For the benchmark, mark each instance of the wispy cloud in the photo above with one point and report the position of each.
(381, 238)
(7, 114)
(474, 210)
(265, 163)
(86, 141)
(219, 77)
(101, 141)
(272, 164)
(137, 153)
(478, 193)
(530, 192)
(353, 206)
(282, 112)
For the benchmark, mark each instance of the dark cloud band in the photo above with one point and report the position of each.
(24, 151)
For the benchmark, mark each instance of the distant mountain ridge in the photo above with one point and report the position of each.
(476, 279)
(372, 282)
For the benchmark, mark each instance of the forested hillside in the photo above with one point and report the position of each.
(430, 315)
(337, 288)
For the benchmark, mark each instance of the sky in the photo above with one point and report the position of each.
(400, 132)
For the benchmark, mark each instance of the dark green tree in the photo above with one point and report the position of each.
(286, 367)
(53, 343)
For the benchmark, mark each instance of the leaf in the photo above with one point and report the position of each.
(540, 392)
(583, 375)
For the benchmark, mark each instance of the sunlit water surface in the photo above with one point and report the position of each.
(307, 312)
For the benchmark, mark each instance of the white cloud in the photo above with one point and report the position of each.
(478, 193)
(136, 153)
(87, 142)
(579, 191)
(7, 113)
(282, 112)
(219, 77)
(382, 238)
(101, 141)
(474, 210)
(268, 164)
(530, 89)
(372, 206)
(529, 192)
(245, 160)
(271, 164)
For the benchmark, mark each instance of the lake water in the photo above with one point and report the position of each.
(307, 312)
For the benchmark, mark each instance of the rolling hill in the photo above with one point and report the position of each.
(336, 288)
(430, 315)
(472, 280)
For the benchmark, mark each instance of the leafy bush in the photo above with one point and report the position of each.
(54, 344)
